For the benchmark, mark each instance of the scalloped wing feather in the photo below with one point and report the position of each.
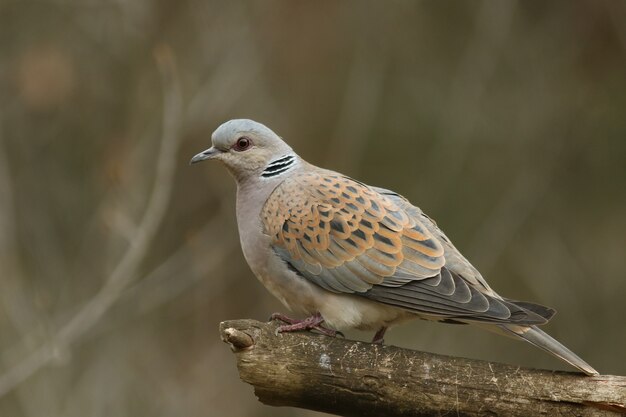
(345, 236)
(455, 261)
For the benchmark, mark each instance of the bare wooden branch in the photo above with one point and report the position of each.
(351, 378)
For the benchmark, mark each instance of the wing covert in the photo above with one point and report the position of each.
(350, 238)
(346, 236)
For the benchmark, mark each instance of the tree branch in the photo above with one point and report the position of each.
(126, 270)
(351, 378)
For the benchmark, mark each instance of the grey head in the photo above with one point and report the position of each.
(249, 150)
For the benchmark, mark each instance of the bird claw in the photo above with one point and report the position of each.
(283, 318)
(328, 332)
(313, 322)
(379, 337)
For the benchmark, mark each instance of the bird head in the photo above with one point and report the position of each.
(246, 148)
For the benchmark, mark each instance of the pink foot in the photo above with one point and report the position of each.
(313, 322)
(379, 337)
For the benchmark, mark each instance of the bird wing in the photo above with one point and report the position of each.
(348, 237)
(455, 261)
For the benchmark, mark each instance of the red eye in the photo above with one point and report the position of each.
(242, 144)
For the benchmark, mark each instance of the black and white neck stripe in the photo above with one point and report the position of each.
(279, 166)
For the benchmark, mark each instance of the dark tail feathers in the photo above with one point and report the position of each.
(542, 340)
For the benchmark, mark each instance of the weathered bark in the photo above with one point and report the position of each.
(352, 378)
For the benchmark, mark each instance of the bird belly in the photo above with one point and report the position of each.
(340, 310)
(348, 311)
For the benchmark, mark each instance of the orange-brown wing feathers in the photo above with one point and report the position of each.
(346, 236)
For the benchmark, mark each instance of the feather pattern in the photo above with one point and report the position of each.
(326, 221)
(353, 255)
(348, 237)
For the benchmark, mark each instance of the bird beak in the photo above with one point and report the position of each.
(208, 154)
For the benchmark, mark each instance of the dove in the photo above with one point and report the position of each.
(348, 255)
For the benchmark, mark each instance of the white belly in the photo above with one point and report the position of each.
(340, 311)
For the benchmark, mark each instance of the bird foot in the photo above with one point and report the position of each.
(379, 337)
(313, 322)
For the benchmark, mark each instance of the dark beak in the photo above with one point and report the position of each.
(208, 154)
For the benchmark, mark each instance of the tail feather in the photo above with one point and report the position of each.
(546, 312)
(542, 340)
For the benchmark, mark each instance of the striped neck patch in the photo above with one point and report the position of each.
(278, 166)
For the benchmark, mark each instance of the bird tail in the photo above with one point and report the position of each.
(542, 340)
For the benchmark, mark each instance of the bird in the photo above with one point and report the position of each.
(346, 255)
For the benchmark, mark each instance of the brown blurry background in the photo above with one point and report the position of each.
(505, 121)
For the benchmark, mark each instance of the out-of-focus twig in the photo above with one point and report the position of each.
(12, 295)
(617, 12)
(493, 24)
(126, 269)
(502, 223)
(158, 286)
(176, 274)
(361, 100)
(230, 81)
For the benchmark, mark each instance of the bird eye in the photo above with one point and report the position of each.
(242, 144)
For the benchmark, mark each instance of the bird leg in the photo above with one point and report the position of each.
(379, 336)
(313, 322)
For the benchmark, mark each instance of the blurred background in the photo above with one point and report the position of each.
(505, 121)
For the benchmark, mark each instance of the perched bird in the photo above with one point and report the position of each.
(349, 255)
